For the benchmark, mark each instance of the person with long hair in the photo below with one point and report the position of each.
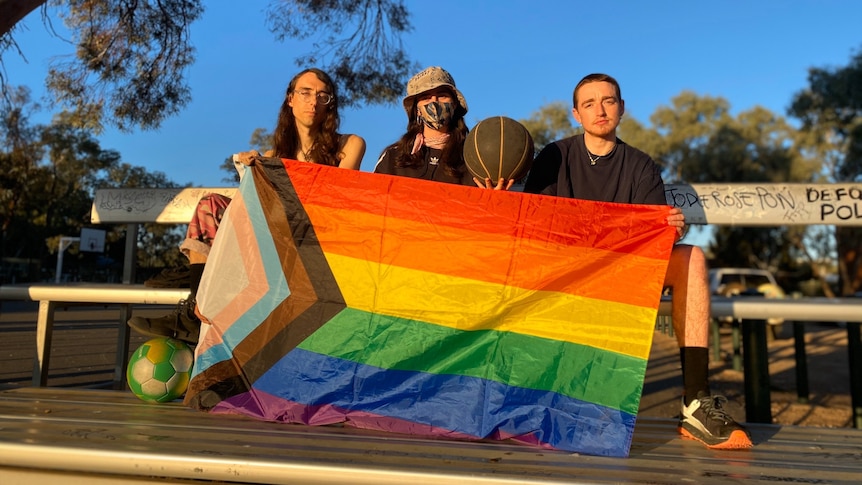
(307, 130)
(432, 148)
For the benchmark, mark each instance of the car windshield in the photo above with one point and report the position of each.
(731, 278)
(753, 281)
(734, 283)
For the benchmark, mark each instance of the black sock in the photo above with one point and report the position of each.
(196, 271)
(695, 372)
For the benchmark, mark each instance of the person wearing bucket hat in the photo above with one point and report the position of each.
(427, 80)
(433, 146)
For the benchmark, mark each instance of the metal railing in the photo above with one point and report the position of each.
(753, 312)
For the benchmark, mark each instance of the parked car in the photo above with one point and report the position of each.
(734, 282)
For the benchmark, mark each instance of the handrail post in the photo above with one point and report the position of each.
(854, 354)
(130, 260)
(715, 328)
(755, 356)
(802, 391)
(736, 344)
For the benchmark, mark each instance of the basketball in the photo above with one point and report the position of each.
(498, 147)
(160, 369)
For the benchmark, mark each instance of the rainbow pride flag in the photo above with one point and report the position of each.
(388, 303)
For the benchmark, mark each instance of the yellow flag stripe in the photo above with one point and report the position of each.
(467, 304)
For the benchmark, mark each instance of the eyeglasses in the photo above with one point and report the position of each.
(321, 97)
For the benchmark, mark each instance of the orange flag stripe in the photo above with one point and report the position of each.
(584, 223)
(528, 263)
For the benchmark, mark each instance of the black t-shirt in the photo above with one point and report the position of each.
(627, 175)
(430, 170)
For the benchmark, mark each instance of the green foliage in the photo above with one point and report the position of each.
(831, 113)
(48, 174)
(755, 247)
(157, 243)
(131, 56)
(22, 222)
(358, 43)
(18, 160)
(699, 141)
(830, 109)
(130, 61)
(228, 166)
(637, 135)
(261, 140)
(551, 122)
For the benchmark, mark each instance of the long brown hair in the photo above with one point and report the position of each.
(285, 139)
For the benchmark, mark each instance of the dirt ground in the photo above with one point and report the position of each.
(829, 402)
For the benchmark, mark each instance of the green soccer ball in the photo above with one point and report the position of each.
(160, 369)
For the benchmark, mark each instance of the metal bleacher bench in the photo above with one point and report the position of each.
(84, 436)
(132, 207)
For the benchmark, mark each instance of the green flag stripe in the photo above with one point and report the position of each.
(594, 375)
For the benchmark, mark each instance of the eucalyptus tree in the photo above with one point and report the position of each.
(702, 142)
(830, 110)
(20, 177)
(549, 123)
(48, 174)
(131, 55)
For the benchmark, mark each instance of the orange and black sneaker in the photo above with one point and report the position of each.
(706, 421)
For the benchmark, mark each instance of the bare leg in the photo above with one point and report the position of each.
(702, 416)
(687, 276)
(196, 257)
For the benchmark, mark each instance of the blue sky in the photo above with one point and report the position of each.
(508, 58)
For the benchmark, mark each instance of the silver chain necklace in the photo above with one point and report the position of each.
(594, 159)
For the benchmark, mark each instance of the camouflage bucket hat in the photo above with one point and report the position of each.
(430, 78)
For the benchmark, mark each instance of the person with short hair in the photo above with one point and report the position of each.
(307, 130)
(596, 165)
